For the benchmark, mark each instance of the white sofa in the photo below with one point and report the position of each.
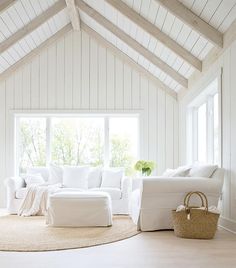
(153, 198)
(16, 190)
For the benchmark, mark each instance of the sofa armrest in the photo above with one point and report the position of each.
(126, 187)
(14, 183)
(183, 184)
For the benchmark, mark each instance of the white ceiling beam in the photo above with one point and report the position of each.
(133, 43)
(36, 51)
(5, 4)
(156, 33)
(34, 24)
(117, 52)
(199, 25)
(73, 14)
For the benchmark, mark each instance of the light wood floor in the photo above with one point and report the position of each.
(146, 250)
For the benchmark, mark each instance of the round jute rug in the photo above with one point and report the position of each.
(32, 234)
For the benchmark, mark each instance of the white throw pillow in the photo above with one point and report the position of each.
(75, 177)
(182, 171)
(43, 171)
(55, 174)
(112, 178)
(33, 179)
(168, 172)
(94, 177)
(202, 171)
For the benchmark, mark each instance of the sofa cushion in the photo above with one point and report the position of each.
(20, 193)
(94, 177)
(44, 171)
(205, 171)
(115, 193)
(182, 171)
(55, 174)
(112, 178)
(33, 179)
(75, 177)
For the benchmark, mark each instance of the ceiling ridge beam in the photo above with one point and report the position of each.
(5, 4)
(36, 51)
(132, 43)
(156, 33)
(117, 52)
(195, 22)
(73, 13)
(33, 25)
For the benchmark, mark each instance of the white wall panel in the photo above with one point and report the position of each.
(52, 78)
(85, 88)
(3, 109)
(102, 78)
(68, 71)
(119, 84)
(93, 75)
(43, 79)
(60, 65)
(76, 70)
(35, 90)
(227, 63)
(77, 73)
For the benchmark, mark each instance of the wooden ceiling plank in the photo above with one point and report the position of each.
(156, 33)
(73, 14)
(195, 22)
(5, 4)
(34, 24)
(133, 43)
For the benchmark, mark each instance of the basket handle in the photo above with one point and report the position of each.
(202, 197)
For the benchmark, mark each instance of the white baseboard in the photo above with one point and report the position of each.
(228, 224)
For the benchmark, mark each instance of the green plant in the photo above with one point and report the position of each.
(146, 167)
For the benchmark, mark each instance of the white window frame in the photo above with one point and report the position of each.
(192, 122)
(48, 116)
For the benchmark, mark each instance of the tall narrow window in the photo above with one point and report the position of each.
(216, 128)
(32, 143)
(202, 133)
(204, 125)
(123, 133)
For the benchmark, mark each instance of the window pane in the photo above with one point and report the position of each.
(77, 141)
(216, 129)
(32, 143)
(202, 133)
(123, 143)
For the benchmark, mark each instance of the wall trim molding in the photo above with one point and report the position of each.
(227, 224)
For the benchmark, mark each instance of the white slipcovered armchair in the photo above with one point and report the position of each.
(16, 191)
(155, 197)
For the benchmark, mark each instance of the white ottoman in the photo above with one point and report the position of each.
(79, 209)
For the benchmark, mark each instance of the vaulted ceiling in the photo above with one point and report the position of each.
(168, 39)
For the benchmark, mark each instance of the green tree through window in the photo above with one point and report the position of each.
(77, 141)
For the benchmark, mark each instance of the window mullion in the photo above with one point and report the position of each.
(17, 147)
(195, 135)
(48, 141)
(106, 142)
(210, 130)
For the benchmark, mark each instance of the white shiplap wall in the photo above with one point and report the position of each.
(227, 63)
(76, 73)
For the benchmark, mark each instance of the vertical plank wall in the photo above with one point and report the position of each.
(76, 73)
(227, 64)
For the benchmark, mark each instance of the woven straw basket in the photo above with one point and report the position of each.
(193, 222)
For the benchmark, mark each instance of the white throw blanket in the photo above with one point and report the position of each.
(35, 201)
